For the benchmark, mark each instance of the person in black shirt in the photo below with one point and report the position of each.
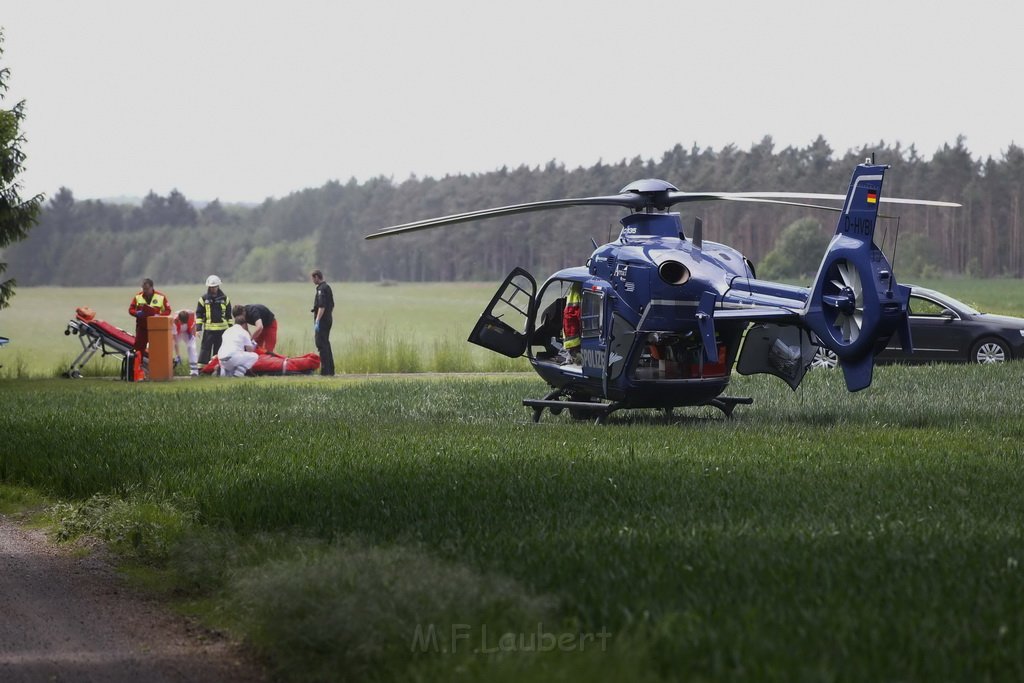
(264, 330)
(323, 318)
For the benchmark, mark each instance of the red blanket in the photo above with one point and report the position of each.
(274, 364)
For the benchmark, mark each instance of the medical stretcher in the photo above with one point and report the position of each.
(98, 336)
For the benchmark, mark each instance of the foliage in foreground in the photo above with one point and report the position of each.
(17, 215)
(817, 536)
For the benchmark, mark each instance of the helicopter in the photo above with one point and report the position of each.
(664, 317)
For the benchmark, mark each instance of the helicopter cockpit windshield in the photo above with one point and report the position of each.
(547, 340)
(550, 333)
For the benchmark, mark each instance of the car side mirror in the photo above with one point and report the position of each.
(948, 314)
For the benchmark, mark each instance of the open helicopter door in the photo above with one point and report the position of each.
(506, 324)
(616, 337)
(785, 351)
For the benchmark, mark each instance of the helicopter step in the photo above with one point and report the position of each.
(578, 409)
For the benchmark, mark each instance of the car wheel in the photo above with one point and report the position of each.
(990, 350)
(824, 358)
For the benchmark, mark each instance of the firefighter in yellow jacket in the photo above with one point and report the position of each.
(571, 325)
(213, 317)
(145, 304)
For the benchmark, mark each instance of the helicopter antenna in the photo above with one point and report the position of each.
(698, 232)
(895, 241)
(594, 242)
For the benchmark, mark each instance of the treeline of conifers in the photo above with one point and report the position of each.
(95, 243)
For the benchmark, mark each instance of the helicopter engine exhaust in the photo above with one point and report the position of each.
(674, 272)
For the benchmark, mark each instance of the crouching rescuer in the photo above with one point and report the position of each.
(237, 353)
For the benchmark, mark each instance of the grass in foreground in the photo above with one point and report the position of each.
(396, 529)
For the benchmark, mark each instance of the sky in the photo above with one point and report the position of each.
(245, 100)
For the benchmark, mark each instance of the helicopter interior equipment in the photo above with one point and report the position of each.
(665, 318)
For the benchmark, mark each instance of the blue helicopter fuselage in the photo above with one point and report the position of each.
(658, 320)
(649, 284)
(652, 244)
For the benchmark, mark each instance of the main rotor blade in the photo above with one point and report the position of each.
(627, 200)
(636, 201)
(758, 200)
(920, 202)
(773, 197)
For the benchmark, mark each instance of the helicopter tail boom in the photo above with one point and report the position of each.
(855, 304)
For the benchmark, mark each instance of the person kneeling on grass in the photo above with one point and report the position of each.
(236, 349)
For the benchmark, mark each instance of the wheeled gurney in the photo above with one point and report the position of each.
(102, 337)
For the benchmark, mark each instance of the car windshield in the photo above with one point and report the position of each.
(964, 307)
(945, 298)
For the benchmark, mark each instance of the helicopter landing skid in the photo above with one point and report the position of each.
(578, 409)
(600, 411)
(728, 403)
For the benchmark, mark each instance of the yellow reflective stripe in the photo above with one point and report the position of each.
(156, 302)
(225, 322)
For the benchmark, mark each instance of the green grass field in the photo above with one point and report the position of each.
(422, 528)
(378, 327)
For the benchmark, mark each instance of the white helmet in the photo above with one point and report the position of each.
(213, 281)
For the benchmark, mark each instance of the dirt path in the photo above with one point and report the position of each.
(67, 618)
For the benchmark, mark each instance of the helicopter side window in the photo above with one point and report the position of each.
(593, 312)
(514, 305)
